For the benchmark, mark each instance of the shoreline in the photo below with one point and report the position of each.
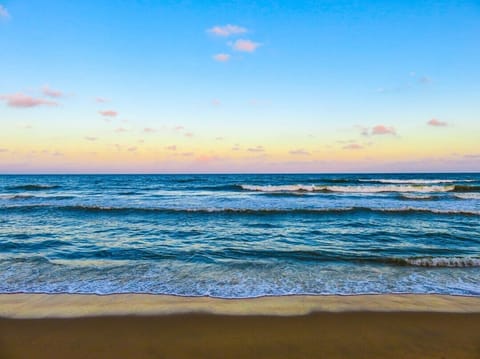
(31, 306)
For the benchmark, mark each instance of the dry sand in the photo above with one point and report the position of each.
(145, 326)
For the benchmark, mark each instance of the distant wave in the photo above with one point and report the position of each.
(31, 196)
(413, 181)
(468, 195)
(416, 197)
(33, 187)
(360, 189)
(253, 211)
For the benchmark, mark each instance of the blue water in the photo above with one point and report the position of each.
(240, 235)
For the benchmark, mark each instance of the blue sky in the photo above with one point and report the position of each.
(319, 73)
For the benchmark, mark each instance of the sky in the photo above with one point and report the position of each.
(239, 86)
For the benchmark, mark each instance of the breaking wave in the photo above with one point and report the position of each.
(457, 262)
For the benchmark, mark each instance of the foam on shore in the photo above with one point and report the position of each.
(78, 305)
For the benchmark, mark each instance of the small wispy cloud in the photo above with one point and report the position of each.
(179, 128)
(108, 113)
(4, 14)
(47, 91)
(299, 152)
(383, 130)
(437, 123)
(171, 148)
(220, 138)
(3, 150)
(352, 146)
(188, 134)
(216, 102)
(20, 100)
(472, 156)
(245, 45)
(121, 129)
(149, 130)
(227, 30)
(101, 100)
(221, 57)
(91, 138)
(424, 80)
(132, 149)
(256, 149)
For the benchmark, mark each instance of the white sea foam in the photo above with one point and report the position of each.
(389, 188)
(444, 262)
(417, 196)
(467, 195)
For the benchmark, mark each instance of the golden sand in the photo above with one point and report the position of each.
(77, 305)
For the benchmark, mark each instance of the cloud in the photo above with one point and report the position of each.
(220, 138)
(171, 148)
(424, 80)
(90, 138)
(132, 149)
(47, 91)
(299, 152)
(437, 123)
(216, 102)
(472, 156)
(221, 57)
(20, 100)
(179, 128)
(121, 129)
(352, 146)
(227, 30)
(149, 130)
(245, 45)
(256, 149)
(4, 14)
(187, 154)
(236, 147)
(101, 99)
(2, 150)
(383, 130)
(189, 134)
(108, 113)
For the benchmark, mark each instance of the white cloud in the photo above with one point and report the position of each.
(227, 30)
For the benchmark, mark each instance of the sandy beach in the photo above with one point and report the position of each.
(149, 326)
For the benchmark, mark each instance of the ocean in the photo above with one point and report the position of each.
(237, 236)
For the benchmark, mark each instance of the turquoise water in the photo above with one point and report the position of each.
(240, 235)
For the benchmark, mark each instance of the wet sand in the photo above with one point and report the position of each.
(138, 326)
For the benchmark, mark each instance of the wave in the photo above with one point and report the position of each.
(417, 197)
(456, 262)
(361, 189)
(233, 210)
(462, 188)
(119, 257)
(31, 196)
(468, 195)
(348, 189)
(33, 187)
(413, 181)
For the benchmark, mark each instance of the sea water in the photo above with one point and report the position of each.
(240, 235)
